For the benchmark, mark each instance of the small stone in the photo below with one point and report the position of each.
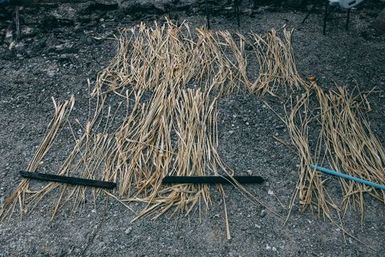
(270, 192)
(8, 35)
(233, 254)
(59, 47)
(231, 132)
(128, 231)
(257, 226)
(248, 11)
(263, 213)
(19, 46)
(249, 172)
(51, 73)
(28, 31)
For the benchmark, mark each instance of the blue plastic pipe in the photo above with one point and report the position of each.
(343, 175)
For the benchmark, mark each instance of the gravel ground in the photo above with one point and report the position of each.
(56, 61)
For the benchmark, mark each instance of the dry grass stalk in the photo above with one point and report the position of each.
(170, 80)
(351, 145)
(18, 197)
(276, 61)
(310, 186)
(345, 140)
(148, 56)
(194, 153)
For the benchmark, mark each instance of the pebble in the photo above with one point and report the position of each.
(51, 73)
(59, 47)
(263, 213)
(234, 254)
(128, 231)
(268, 247)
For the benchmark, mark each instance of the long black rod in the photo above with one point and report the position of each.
(68, 180)
(212, 179)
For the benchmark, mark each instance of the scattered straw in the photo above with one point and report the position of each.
(345, 142)
(170, 80)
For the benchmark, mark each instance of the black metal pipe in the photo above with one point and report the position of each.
(68, 180)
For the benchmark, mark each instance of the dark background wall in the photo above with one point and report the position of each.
(139, 8)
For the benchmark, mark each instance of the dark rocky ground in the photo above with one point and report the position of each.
(55, 56)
